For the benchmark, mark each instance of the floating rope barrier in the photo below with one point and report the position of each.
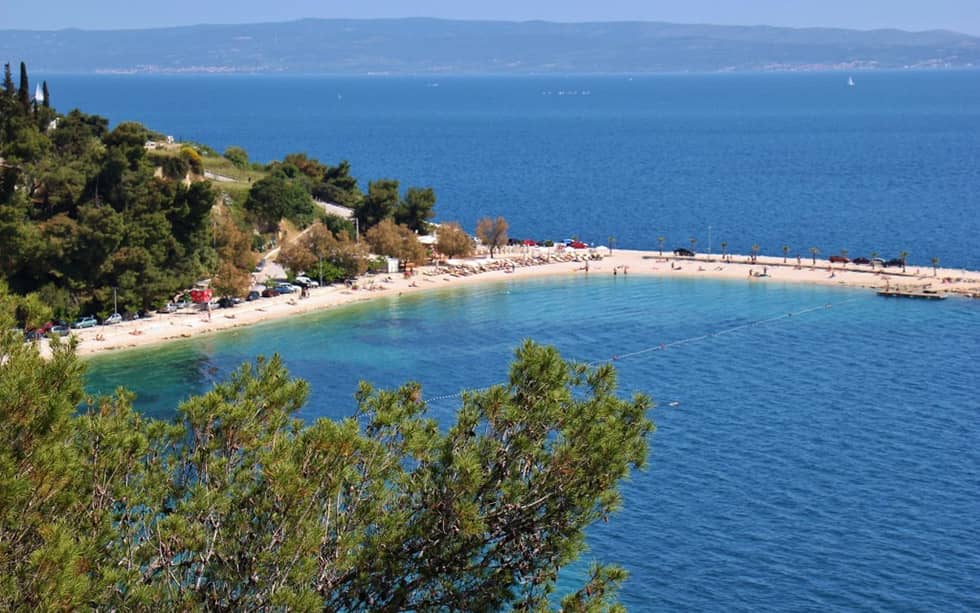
(684, 341)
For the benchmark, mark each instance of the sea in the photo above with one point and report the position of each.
(817, 448)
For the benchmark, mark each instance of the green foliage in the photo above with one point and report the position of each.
(338, 225)
(416, 209)
(81, 212)
(377, 265)
(378, 205)
(193, 159)
(24, 90)
(310, 167)
(173, 167)
(338, 186)
(239, 505)
(327, 272)
(277, 197)
(237, 156)
(382, 202)
(8, 81)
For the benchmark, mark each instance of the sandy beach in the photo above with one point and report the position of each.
(521, 263)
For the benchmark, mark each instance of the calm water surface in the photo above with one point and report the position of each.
(824, 460)
(827, 460)
(891, 164)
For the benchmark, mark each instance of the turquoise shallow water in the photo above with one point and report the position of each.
(824, 460)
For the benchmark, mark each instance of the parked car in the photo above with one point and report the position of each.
(577, 245)
(308, 282)
(88, 321)
(227, 302)
(877, 261)
(286, 288)
(168, 308)
(60, 328)
(838, 259)
(253, 295)
(861, 261)
(115, 318)
(270, 292)
(687, 253)
(895, 262)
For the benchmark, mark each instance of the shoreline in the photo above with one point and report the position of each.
(517, 263)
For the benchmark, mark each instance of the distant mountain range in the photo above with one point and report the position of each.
(434, 46)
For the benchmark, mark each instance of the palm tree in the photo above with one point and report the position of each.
(874, 256)
(785, 252)
(661, 240)
(813, 254)
(693, 241)
(904, 256)
(755, 253)
(935, 266)
(724, 248)
(843, 254)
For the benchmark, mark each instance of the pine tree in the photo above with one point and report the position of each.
(23, 93)
(8, 80)
(47, 97)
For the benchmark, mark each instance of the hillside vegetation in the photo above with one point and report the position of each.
(94, 219)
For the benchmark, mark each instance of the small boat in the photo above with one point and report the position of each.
(850, 81)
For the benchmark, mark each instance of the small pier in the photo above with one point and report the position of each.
(923, 294)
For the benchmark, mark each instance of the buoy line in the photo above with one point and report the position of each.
(677, 343)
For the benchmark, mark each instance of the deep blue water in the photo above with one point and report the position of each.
(801, 160)
(817, 448)
(828, 460)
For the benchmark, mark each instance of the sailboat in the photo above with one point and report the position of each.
(850, 81)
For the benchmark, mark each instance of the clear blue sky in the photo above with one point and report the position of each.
(959, 15)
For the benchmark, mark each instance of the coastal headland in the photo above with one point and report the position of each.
(523, 263)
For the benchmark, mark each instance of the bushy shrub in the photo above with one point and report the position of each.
(193, 159)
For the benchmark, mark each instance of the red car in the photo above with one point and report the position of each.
(838, 259)
(577, 245)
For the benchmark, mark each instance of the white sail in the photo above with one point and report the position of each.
(38, 94)
(850, 81)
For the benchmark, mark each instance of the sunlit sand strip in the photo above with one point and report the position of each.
(521, 263)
